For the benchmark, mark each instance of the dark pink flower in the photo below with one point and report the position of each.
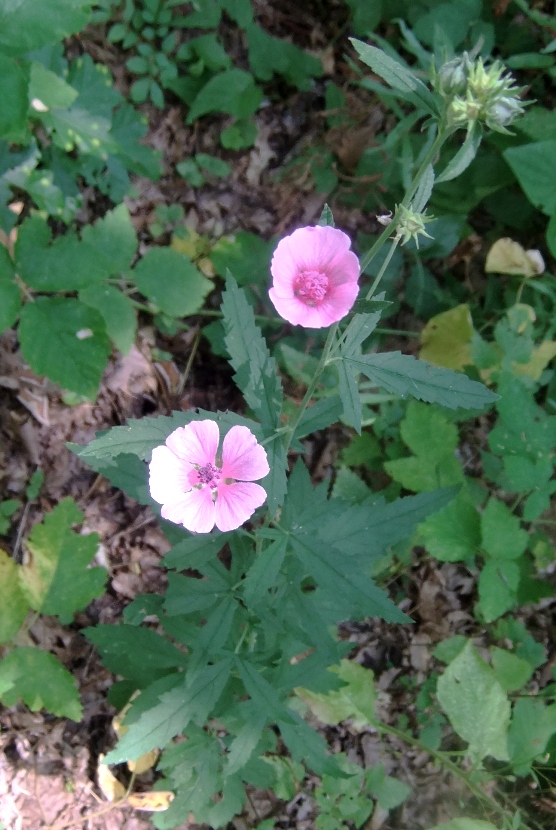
(314, 277)
(198, 488)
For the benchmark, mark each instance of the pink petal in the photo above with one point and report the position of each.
(242, 457)
(194, 510)
(314, 248)
(168, 476)
(196, 443)
(344, 269)
(236, 503)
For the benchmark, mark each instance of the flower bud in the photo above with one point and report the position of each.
(411, 225)
(451, 78)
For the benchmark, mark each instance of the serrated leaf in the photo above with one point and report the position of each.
(534, 166)
(395, 74)
(13, 114)
(512, 672)
(194, 699)
(533, 724)
(10, 295)
(453, 534)
(57, 580)
(171, 281)
(40, 681)
(464, 155)
(113, 238)
(263, 573)
(354, 700)
(326, 218)
(138, 654)
(48, 88)
(256, 372)
(63, 265)
(117, 311)
(404, 375)
(319, 415)
(262, 693)
(14, 605)
(65, 340)
(26, 25)
(349, 395)
(503, 537)
(476, 705)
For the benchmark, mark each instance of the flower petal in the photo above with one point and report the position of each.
(236, 503)
(167, 476)
(196, 443)
(242, 457)
(195, 511)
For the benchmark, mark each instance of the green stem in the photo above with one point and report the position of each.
(383, 267)
(313, 384)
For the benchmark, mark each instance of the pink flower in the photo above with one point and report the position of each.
(196, 488)
(314, 277)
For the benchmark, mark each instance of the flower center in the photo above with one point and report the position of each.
(209, 475)
(311, 287)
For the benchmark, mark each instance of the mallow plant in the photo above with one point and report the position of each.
(263, 565)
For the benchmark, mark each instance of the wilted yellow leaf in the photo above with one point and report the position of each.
(538, 361)
(153, 801)
(144, 762)
(110, 787)
(446, 339)
(508, 257)
(189, 242)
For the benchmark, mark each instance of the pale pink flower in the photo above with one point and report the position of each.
(314, 277)
(199, 487)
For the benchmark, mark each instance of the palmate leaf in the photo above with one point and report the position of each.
(404, 375)
(194, 699)
(37, 678)
(57, 579)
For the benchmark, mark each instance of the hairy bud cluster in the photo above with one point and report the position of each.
(476, 92)
(410, 224)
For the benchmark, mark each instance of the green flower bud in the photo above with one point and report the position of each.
(410, 225)
(451, 78)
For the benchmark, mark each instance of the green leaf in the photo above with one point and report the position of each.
(319, 415)
(453, 534)
(533, 724)
(465, 824)
(396, 74)
(138, 654)
(326, 217)
(349, 395)
(512, 672)
(26, 24)
(10, 296)
(256, 373)
(464, 155)
(433, 439)
(263, 694)
(213, 165)
(63, 265)
(194, 550)
(40, 681)
(476, 705)
(262, 575)
(354, 700)
(535, 168)
(13, 113)
(48, 88)
(57, 579)
(498, 583)
(193, 699)
(404, 375)
(231, 91)
(113, 238)
(182, 289)
(65, 340)
(268, 54)
(246, 255)
(446, 338)
(14, 605)
(503, 537)
(117, 311)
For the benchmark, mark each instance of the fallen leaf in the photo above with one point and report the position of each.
(110, 787)
(153, 801)
(508, 257)
(446, 339)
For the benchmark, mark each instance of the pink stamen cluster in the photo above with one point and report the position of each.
(314, 277)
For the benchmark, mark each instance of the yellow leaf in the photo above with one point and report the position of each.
(446, 339)
(153, 801)
(508, 257)
(188, 242)
(538, 361)
(144, 762)
(110, 787)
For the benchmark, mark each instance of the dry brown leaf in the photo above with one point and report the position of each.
(153, 801)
